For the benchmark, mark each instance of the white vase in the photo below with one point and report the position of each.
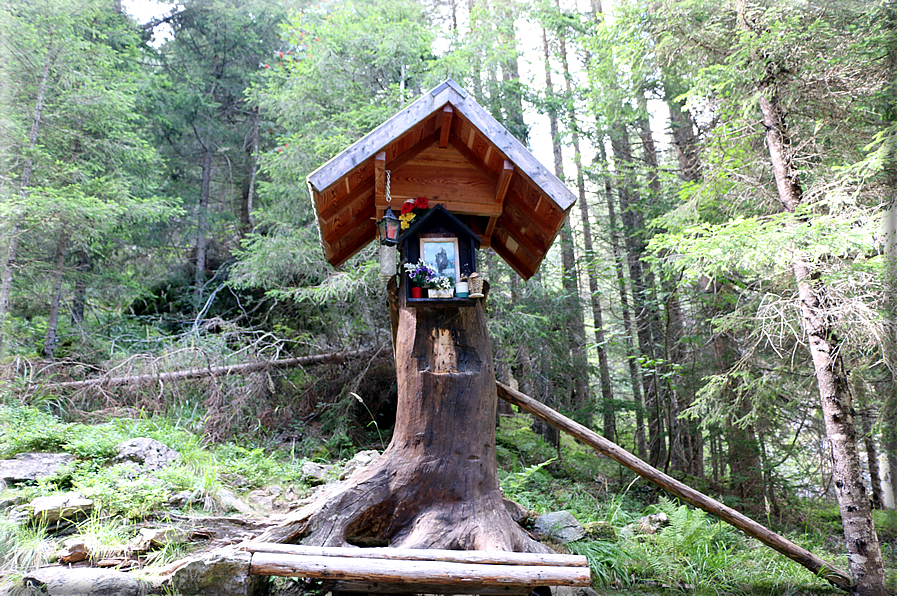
(441, 293)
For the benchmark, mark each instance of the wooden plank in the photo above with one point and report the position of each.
(379, 138)
(480, 557)
(410, 573)
(443, 184)
(457, 207)
(365, 213)
(472, 157)
(380, 177)
(515, 260)
(360, 587)
(504, 181)
(446, 129)
(779, 543)
(355, 240)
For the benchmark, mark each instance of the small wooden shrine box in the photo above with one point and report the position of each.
(442, 240)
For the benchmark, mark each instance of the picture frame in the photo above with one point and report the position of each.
(443, 254)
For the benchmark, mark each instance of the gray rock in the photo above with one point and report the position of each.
(362, 460)
(151, 454)
(183, 498)
(67, 507)
(222, 572)
(316, 471)
(560, 526)
(26, 467)
(650, 524)
(228, 500)
(83, 581)
(148, 539)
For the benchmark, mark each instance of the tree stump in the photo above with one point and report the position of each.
(436, 485)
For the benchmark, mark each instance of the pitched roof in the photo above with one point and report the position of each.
(447, 147)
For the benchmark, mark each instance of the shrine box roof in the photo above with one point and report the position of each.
(448, 148)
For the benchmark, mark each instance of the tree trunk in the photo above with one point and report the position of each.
(866, 418)
(635, 247)
(436, 485)
(609, 423)
(12, 250)
(247, 205)
(199, 274)
(641, 444)
(53, 319)
(575, 326)
(863, 548)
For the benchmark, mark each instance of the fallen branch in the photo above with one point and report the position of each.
(836, 576)
(212, 371)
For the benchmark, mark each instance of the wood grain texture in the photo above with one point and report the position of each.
(436, 485)
(406, 554)
(410, 572)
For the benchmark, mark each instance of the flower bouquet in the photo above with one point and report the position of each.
(412, 209)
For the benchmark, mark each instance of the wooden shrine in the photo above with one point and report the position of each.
(448, 148)
(435, 488)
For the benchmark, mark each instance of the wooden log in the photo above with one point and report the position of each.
(357, 587)
(478, 557)
(834, 575)
(410, 573)
(213, 371)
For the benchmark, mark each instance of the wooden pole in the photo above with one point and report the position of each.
(833, 574)
(212, 371)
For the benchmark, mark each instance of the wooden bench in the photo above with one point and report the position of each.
(394, 570)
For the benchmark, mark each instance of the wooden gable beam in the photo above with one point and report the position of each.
(446, 129)
(459, 144)
(501, 191)
(380, 177)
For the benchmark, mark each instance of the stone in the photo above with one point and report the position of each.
(650, 524)
(558, 525)
(362, 460)
(73, 550)
(67, 508)
(83, 581)
(227, 500)
(183, 498)
(221, 572)
(150, 454)
(26, 467)
(148, 539)
(600, 530)
(316, 470)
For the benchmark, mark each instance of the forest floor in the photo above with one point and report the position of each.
(230, 491)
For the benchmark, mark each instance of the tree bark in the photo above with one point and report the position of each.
(247, 206)
(609, 423)
(641, 295)
(575, 326)
(641, 444)
(866, 418)
(199, 274)
(863, 547)
(53, 318)
(436, 485)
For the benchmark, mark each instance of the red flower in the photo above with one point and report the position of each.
(421, 203)
(407, 206)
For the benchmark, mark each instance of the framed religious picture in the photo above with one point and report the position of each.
(442, 254)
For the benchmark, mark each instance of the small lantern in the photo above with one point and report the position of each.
(388, 228)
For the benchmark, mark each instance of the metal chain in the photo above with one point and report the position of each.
(388, 196)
